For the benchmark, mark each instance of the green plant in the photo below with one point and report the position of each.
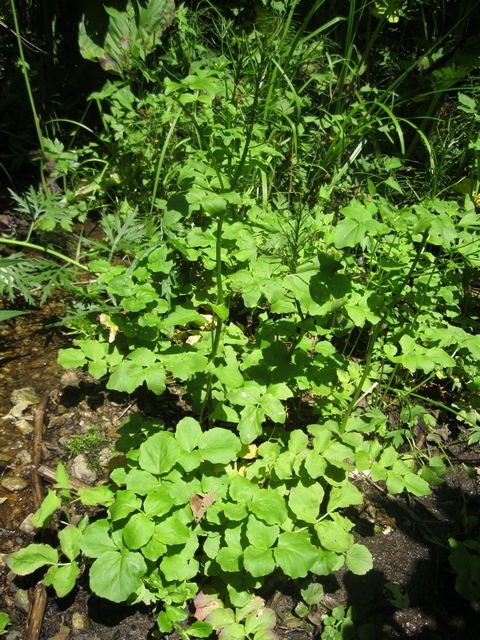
(465, 561)
(340, 625)
(4, 621)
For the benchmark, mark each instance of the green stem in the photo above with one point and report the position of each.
(378, 328)
(36, 247)
(30, 94)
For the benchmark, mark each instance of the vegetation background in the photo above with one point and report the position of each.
(286, 195)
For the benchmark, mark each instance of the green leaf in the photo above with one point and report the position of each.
(96, 539)
(69, 541)
(127, 377)
(138, 531)
(32, 558)
(200, 629)
(260, 621)
(305, 503)
(188, 433)
(358, 224)
(71, 358)
(159, 453)
(250, 424)
(295, 554)
(313, 594)
(62, 579)
(333, 537)
(268, 505)
(4, 620)
(179, 567)
(258, 562)
(48, 507)
(273, 408)
(219, 445)
(117, 575)
(260, 535)
(416, 485)
(96, 496)
(172, 531)
(230, 560)
(229, 376)
(7, 315)
(344, 496)
(156, 378)
(126, 502)
(359, 559)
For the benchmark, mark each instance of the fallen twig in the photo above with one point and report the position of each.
(35, 615)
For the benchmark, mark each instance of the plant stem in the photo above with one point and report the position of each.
(36, 247)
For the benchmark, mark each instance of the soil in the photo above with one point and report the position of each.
(407, 539)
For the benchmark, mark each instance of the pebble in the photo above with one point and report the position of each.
(24, 457)
(62, 634)
(14, 484)
(21, 600)
(79, 621)
(19, 409)
(24, 426)
(27, 394)
(27, 525)
(13, 634)
(78, 468)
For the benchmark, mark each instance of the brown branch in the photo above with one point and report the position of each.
(37, 450)
(35, 615)
(49, 475)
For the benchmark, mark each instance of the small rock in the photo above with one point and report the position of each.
(24, 426)
(21, 600)
(27, 394)
(105, 455)
(27, 525)
(24, 457)
(79, 621)
(69, 378)
(78, 468)
(62, 634)
(14, 484)
(19, 409)
(13, 634)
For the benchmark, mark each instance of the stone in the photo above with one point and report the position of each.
(27, 394)
(62, 634)
(24, 426)
(78, 468)
(24, 457)
(79, 621)
(19, 409)
(21, 600)
(14, 484)
(27, 525)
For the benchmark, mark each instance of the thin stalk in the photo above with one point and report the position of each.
(36, 247)
(378, 328)
(30, 95)
(161, 160)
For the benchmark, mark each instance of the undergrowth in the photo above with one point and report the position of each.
(281, 236)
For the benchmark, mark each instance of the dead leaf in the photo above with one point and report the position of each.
(200, 502)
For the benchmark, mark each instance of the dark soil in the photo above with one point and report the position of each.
(408, 540)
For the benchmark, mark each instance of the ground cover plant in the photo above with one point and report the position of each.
(265, 247)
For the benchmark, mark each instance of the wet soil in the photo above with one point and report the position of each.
(408, 539)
